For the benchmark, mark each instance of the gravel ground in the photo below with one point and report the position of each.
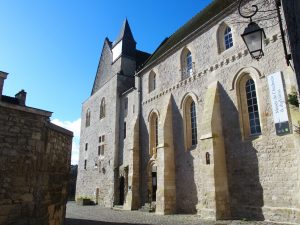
(96, 215)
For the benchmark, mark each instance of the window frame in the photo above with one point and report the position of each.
(190, 117)
(88, 118)
(102, 108)
(228, 38)
(244, 116)
(153, 132)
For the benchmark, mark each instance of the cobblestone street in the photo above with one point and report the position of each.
(96, 215)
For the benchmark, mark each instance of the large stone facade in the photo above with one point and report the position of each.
(220, 170)
(34, 164)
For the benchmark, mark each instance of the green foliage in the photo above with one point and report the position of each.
(293, 99)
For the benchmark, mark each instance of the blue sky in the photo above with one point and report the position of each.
(51, 48)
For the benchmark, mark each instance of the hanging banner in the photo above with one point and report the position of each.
(279, 107)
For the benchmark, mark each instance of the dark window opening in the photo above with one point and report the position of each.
(207, 156)
(85, 162)
(124, 131)
(193, 123)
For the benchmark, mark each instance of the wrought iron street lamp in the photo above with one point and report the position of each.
(254, 36)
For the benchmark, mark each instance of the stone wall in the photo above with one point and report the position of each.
(34, 167)
(262, 170)
(99, 172)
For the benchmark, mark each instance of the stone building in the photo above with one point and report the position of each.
(35, 158)
(196, 127)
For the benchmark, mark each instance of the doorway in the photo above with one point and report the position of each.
(154, 186)
(122, 190)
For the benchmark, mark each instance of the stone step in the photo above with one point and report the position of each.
(118, 207)
(148, 208)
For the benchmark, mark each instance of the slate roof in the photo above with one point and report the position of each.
(198, 20)
(10, 100)
(125, 33)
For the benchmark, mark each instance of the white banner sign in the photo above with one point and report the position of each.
(278, 98)
(279, 107)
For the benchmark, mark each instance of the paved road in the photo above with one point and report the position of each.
(96, 215)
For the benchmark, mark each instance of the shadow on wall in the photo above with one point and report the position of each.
(92, 222)
(246, 193)
(186, 191)
(144, 159)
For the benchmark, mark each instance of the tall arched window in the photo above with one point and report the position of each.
(254, 121)
(102, 108)
(153, 133)
(193, 123)
(186, 63)
(190, 122)
(248, 106)
(228, 41)
(88, 118)
(152, 81)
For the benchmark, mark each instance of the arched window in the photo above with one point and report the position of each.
(189, 63)
(193, 123)
(102, 108)
(186, 63)
(224, 37)
(152, 81)
(254, 121)
(228, 41)
(190, 122)
(88, 118)
(248, 106)
(153, 133)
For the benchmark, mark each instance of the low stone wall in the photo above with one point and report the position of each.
(34, 167)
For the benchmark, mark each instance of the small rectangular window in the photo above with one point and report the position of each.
(103, 138)
(86, 146)
(85, 162)
(124, 130)
(125, 107)
(102, 150)
(100, 139)
(99, 150)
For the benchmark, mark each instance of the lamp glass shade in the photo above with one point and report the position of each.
(253, 37)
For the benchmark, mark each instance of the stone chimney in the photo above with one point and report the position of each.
(21, 96)
(3, 76)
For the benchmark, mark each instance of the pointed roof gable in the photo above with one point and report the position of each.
(125, 33)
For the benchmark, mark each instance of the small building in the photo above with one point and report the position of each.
(35, 157)
(196, 127)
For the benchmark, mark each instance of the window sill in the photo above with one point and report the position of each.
(253, 137)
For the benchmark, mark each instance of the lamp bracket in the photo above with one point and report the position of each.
(247, 16)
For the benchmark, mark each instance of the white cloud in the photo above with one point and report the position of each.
(73, 126)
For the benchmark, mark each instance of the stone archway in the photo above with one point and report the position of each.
(152, 180)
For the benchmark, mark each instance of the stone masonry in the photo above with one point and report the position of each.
(34, 165)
